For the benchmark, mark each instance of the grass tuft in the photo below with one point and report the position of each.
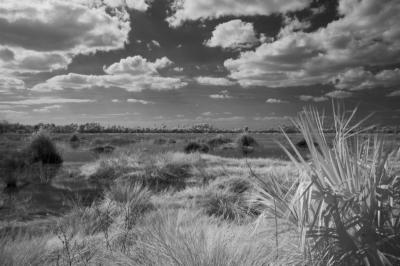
(196, 147)
(218, 140)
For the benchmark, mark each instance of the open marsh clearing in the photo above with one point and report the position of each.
(138, 199)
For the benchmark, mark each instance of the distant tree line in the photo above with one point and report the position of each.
(6, 127)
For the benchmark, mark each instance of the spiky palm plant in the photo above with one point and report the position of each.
(346, 202)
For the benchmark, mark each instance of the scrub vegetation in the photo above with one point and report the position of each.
(339, 205)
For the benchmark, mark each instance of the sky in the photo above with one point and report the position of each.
(230, 63)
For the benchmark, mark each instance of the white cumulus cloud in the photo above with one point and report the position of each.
(360, 79)
(131, 73)
(45, 35)
(186, 10)
(234, 34)
(367, 33)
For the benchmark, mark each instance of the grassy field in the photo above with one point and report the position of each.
(138, 199)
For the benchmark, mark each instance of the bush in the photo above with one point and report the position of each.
(218, 140)
(103, 149)
(246, 143)
(11, 166)
(74, 138)
(171, 141)
(42, 149)
(245, 140)
(196, 147)
(159, 141)
(303, 144)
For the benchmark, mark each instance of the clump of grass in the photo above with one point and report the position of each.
(132, 200)
(108, 168)
(168, 175)
(223, 204)
(343, 204)
(228, 199)
(196, 147)
(97, 142)
(181, 237)
(42, 149)
(236, 185)
(23, 250)
(103, 149)
(218, 140)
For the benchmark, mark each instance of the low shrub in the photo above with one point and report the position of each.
(74, 138)
(196, 147)
(246, 143)
(302, 144)
(11, 166)
(246, 140)
(171, 141)
(218, 140)
(103, 149)
(42, 149)
(159, 141)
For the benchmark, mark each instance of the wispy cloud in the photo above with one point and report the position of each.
(214, 81)
(139, 101)
(267, 118)
(394, 93)
(273, 100)
(47, 109)
(46, 100)
(339, 94)
(317, 99)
